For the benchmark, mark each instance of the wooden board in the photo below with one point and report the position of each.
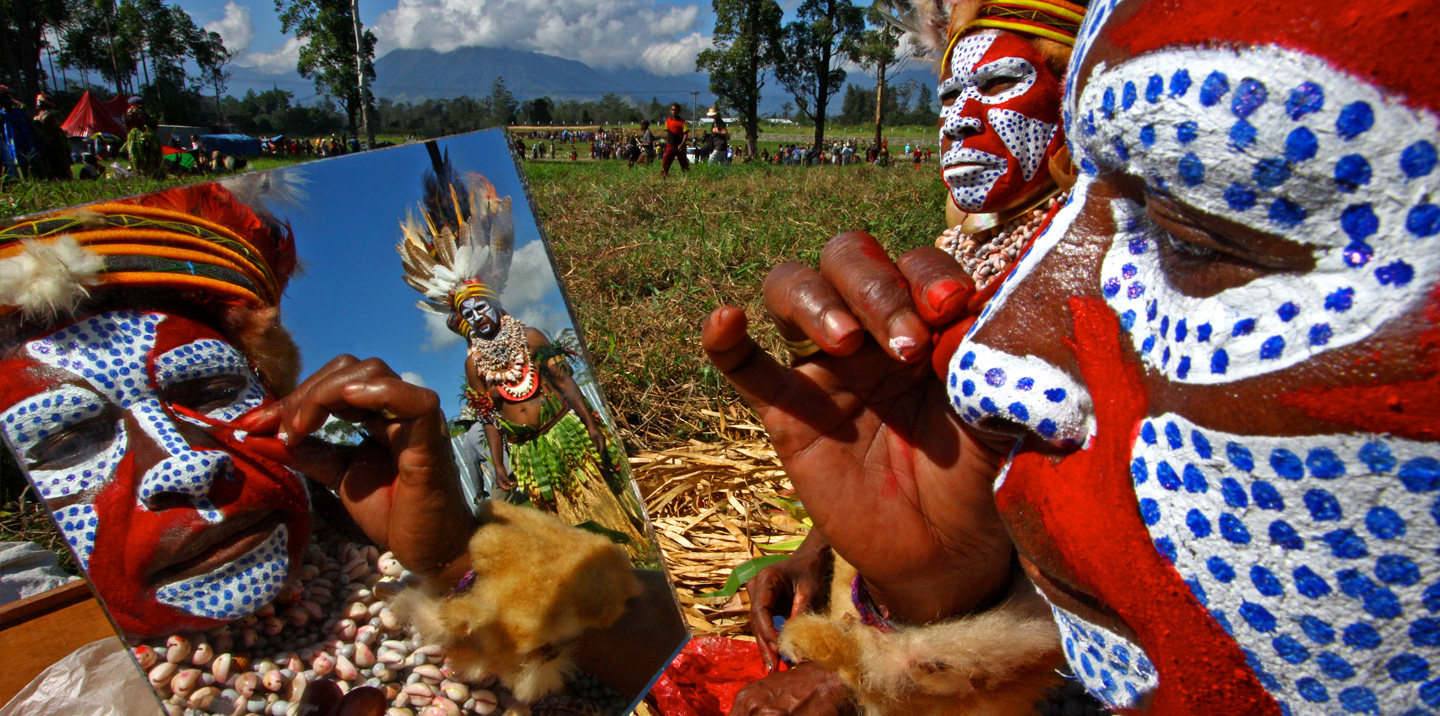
(38, 631)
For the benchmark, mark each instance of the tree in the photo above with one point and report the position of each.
(22, 37)
(536, 111)
(330, 54)
(92, 39)
(502, 104)
(879, 53)
(747, 44)
(815, 45)
(211, 57)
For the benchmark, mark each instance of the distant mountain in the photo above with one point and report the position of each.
(417, 75)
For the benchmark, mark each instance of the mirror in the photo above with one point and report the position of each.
(143, 359)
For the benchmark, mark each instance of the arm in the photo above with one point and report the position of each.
(571, 392)
(492, 434)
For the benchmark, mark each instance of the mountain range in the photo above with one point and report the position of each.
(416, 75)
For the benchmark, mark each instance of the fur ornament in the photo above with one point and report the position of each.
(49, 278)
(998, 662)
(539, 585)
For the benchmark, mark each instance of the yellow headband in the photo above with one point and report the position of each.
(1056, 20)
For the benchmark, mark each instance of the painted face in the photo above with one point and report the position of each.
(121, 421)
(1226, 477)
(484, 316)
(999, 121)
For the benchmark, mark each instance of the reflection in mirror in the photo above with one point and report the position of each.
(266, 543)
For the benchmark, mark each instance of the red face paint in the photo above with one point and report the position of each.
(170, 498)
(1000, 121)
(1080, 517)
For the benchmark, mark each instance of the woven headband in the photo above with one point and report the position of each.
(143, 246)
(1056, 20)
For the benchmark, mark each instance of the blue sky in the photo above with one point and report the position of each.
(662, 36)
(349, 297)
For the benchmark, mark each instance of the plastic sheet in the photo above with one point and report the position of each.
(98, 679)
(704, 678)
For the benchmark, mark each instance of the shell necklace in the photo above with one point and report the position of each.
(504, 361)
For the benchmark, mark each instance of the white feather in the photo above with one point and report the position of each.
(49, 277)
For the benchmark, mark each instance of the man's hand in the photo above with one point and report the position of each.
(400, 485)
(788, 588)
(866, 431)
(806, 690)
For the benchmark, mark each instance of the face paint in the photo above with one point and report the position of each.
(1308, 153)
(1213, 530)
(121, 422)
(483, 317)
(999, 120)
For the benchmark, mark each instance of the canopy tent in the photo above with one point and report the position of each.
(179, 156)
(91, 116)
(117, 105)
(238, 145)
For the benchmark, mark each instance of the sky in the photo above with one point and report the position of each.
(348, 296)
(661, 36)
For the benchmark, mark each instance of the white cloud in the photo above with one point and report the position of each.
(601, 33)
(413, 378)
(438, 336)
(276, 62)
(674, 58)
(532, 295)
(235, 29)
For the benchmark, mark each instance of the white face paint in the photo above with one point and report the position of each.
(1316, 553)
(71, 439)
(1308, 153)
(1116, 670)
(993, 136)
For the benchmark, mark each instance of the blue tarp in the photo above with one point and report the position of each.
(237, 145)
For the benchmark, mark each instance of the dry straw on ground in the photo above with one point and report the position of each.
(708, 504)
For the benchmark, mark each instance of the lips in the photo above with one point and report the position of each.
(205, 550)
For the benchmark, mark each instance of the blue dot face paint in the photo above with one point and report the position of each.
(122, 424)
(1313, 553)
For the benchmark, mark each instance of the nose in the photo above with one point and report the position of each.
(958, 127)
(1001, 392)
(184, 472)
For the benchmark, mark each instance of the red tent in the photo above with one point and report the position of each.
(91, 116)
(116, 105)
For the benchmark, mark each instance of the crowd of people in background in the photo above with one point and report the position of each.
(677, 142)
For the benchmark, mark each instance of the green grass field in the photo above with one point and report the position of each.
(646, 259)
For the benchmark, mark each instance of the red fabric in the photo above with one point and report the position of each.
(704, 678)
(117, 106)
(90, 116)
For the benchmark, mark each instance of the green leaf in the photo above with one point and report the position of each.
(789, 545)
(616, 537)
(743, 573)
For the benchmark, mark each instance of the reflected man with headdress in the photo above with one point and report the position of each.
(519, 385)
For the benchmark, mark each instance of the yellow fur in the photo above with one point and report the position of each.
(539, 585)
(998, 662)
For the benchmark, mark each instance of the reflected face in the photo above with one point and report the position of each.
(1220, 364)
(999, 121)
(122, 421)
(483, 316)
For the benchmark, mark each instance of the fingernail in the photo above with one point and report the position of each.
(903, 331)
(839, 325)
(940, 295)
(283, 436)
(902, 345)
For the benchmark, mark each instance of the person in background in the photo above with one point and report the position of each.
(90, 167)
(18, 149)
(677, 132)
(647, 142)
(720, 138)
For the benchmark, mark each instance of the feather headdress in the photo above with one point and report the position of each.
(461, 243)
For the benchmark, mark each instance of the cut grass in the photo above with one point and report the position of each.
(646, 259)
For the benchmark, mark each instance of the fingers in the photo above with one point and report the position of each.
(939, 286)
(877, 293)
(804, 305)
(752, 372)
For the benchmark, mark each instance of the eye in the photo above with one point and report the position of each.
(205, 395)
(1202, 255)
(992, 86)
(73, 445)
